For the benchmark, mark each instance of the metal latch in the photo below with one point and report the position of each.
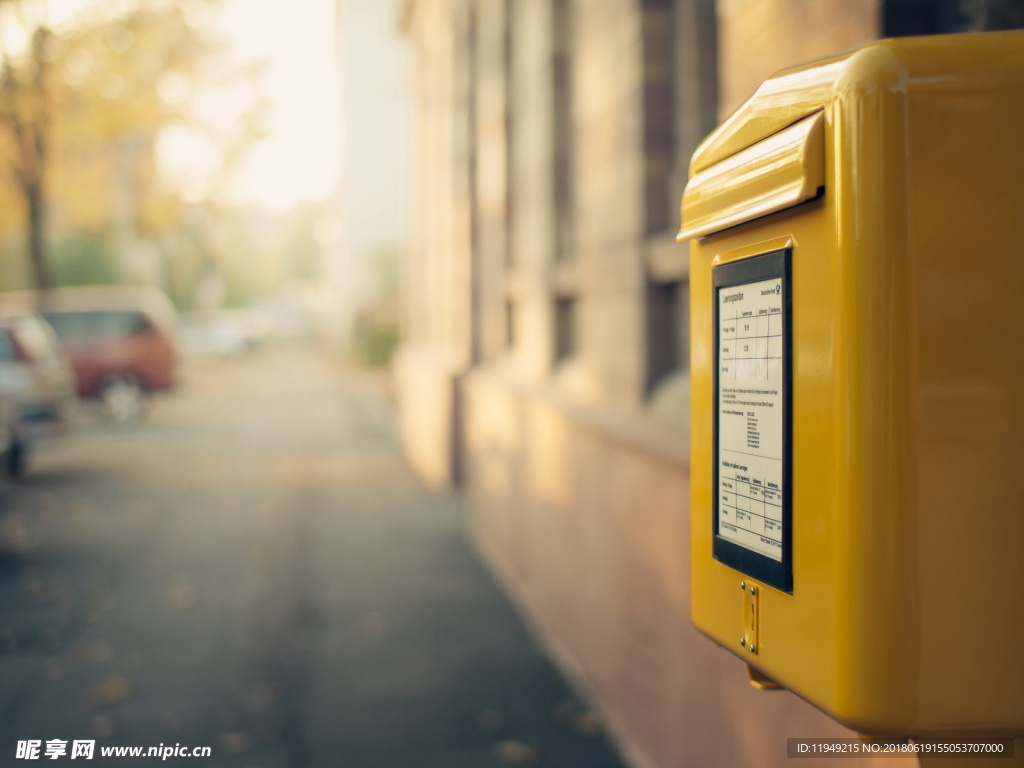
(751, 594)
(751, 639)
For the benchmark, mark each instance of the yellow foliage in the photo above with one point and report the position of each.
(109, 85)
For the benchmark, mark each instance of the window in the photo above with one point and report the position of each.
(509, 82)
(659, 105)
(565, 328)
(667, 315)
(680, 97)
(565, 301)
(510, 324)
(902, 18)
(561, 169)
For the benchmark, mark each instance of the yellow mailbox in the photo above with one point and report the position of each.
(857, 289)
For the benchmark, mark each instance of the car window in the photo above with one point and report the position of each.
(6, 347)
(118, 324)
(71, 326)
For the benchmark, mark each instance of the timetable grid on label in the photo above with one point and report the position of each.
(749, 342)
(771, 526)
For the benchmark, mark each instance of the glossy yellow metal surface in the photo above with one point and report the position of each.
(907, 386)
(784, 170)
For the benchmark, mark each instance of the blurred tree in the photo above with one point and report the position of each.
(84, 103)
(300, 247)
(375, 330)
(81, 259)
(384, 260)
(25, 115)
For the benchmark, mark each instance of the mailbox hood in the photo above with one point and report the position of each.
(760, 161)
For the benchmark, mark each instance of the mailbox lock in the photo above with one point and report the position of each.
(749, 639)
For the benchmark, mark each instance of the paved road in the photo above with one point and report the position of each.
(257, 571)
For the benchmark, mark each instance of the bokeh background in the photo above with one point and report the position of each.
(429, 308)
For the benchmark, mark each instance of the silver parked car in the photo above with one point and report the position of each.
(37, 378)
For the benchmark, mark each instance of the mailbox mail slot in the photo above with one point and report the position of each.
(857, 341)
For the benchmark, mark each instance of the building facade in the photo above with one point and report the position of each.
(544, 367)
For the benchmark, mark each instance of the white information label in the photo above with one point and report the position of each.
(751, 381)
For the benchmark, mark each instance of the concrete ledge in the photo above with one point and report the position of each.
(426, 385)
(667, 440)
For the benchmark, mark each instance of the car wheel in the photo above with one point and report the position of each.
(123, 400)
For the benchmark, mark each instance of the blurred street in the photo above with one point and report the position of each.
(254, 569)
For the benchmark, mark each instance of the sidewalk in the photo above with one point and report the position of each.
(425, 663)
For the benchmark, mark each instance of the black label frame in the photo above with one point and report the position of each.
(767, 266)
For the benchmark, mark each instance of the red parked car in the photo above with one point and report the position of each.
(121, 340)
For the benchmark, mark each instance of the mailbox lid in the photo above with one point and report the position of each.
(768, 156)
(797, 92)
(717, 197)
(786, 169)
